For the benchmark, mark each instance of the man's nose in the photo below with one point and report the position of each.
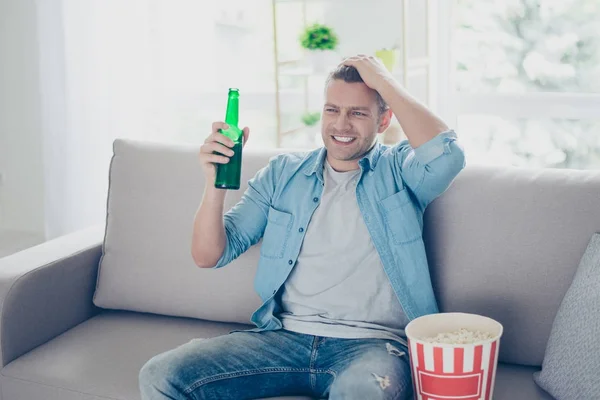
(341, 123)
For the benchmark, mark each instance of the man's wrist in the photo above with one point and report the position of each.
(389, 89)
(214, 195)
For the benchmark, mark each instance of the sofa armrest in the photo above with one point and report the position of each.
(47, 290)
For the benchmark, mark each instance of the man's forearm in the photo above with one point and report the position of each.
(208, 239)
(418, 123)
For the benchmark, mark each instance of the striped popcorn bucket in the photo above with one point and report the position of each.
(453, 371)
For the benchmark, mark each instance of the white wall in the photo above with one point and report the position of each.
(74, 75)
(56, 148)
(21, 149)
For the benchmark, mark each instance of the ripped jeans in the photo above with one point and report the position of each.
(255, 365)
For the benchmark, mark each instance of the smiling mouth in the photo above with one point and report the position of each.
(343, 139)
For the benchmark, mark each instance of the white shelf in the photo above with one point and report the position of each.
(290, 62)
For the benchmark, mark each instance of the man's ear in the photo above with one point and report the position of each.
(384, 120)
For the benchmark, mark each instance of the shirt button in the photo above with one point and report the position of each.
(301, 230)
(316, 199)
(274, 291)
(290, 262)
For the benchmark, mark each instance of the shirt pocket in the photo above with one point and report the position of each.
(277, 232)
(400, 217)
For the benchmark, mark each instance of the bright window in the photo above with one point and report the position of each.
(524, 86)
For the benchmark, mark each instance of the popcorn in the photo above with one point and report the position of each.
(462, 336)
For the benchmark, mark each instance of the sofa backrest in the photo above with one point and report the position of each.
(503, 242)
(154, 192)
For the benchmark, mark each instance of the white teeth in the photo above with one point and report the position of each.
(343, 139)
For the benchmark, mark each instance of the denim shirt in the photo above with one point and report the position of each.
(396, 184)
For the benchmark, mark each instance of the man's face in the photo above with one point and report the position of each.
(350, 123)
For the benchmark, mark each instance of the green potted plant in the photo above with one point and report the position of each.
(319, 40)
(388, 56)
(311, 118)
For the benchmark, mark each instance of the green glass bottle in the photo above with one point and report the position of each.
(228, 175)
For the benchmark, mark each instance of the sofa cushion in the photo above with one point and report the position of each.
(572, 360)
(505, 242)
(101, 358)
(154, 192)
(516, 382)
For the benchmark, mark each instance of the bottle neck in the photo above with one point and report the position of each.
(232, 115)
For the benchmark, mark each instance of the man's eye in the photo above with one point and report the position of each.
(359, 114)
(330, 110)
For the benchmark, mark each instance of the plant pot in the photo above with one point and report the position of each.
(388, 57)
(318, 59)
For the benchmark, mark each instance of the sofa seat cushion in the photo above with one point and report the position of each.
(516, 382)
(100, 359)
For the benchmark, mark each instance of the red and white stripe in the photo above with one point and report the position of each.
(453, 373)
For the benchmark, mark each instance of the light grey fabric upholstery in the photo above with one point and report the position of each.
(505, 242)
(572, 359)
(155, 190)
(101, 358)
(46, 290)
(516, 382)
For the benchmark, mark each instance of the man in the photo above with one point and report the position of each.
(343, 266)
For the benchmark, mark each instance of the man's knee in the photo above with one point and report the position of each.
(151, 371)
(372, 386)
(158, 379)
(374, 377)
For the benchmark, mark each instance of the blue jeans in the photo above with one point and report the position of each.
(254, 365)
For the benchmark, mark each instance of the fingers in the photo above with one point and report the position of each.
(214, 158)
(213, 147)
(219, 138)
(351, 61)
(246, 131)
(215, 153)
(217, 147)
(219, 125)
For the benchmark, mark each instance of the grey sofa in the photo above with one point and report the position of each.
(81, 314)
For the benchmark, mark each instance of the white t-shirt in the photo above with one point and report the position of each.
(338, 287)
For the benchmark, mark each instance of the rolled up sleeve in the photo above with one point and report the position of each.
(245, 223)
(429, 169)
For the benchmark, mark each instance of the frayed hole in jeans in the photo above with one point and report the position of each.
(393, 350)
(384, 382)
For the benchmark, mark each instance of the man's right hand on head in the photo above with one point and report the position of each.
(217, 149)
